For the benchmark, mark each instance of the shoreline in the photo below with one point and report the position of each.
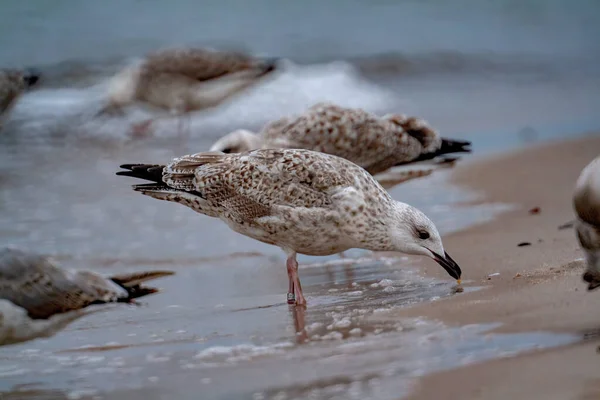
(539, 286)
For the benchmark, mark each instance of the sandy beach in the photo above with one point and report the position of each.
(536, 287)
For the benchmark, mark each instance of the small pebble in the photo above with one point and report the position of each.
(535, 210)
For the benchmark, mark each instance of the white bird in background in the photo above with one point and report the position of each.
(181, 81)
(374, 143)
(303, 201)
(13, 83)
(587, 207)
(38, 298)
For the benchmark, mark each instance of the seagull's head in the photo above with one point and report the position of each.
(256, 69)
(237, 142)
(412, 232)
(589, 239)
(25, 79)
(31, 78)
(585, 201)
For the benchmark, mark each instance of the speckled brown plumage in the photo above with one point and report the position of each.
(300, 200)
(43, 289)
(375, 143)
(187, 79)
(196, 64)
(255, 192)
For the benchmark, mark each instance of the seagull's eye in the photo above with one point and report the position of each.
(227, 150)
(423, 235)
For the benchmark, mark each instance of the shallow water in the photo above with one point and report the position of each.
(222, 317)
(230, 335)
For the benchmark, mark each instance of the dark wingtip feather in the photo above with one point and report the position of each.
(454, 146)
(149, 172)
(448, 146)
(133, 282)
(135, 278)
(131, 166)
(32, 77)
(152, 187)
(139, 291)
(125, 173)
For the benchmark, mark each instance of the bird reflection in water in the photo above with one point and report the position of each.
(299, 317)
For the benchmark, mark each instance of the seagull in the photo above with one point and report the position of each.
(13, 82)
(302, 201)
(183, 80)
(38, 298)
(375, 143)
(587, 226)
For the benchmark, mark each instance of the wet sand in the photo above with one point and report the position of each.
(539, 286)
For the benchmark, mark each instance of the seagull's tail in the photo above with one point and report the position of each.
(176, 181)
(147, 172)
(132, 282)
(449, 146)
(454, 146)
(153, 173)
(178, 188)
(32, 77)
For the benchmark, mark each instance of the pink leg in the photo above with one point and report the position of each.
(141, 129)
(299, 324)
(295, 289)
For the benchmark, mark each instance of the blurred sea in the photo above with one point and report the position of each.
(466, 66)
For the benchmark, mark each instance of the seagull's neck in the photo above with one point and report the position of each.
(380, 234)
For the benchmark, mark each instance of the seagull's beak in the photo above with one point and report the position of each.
(592, 279)
(448, 264)
(269, 65)
(32, 77)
